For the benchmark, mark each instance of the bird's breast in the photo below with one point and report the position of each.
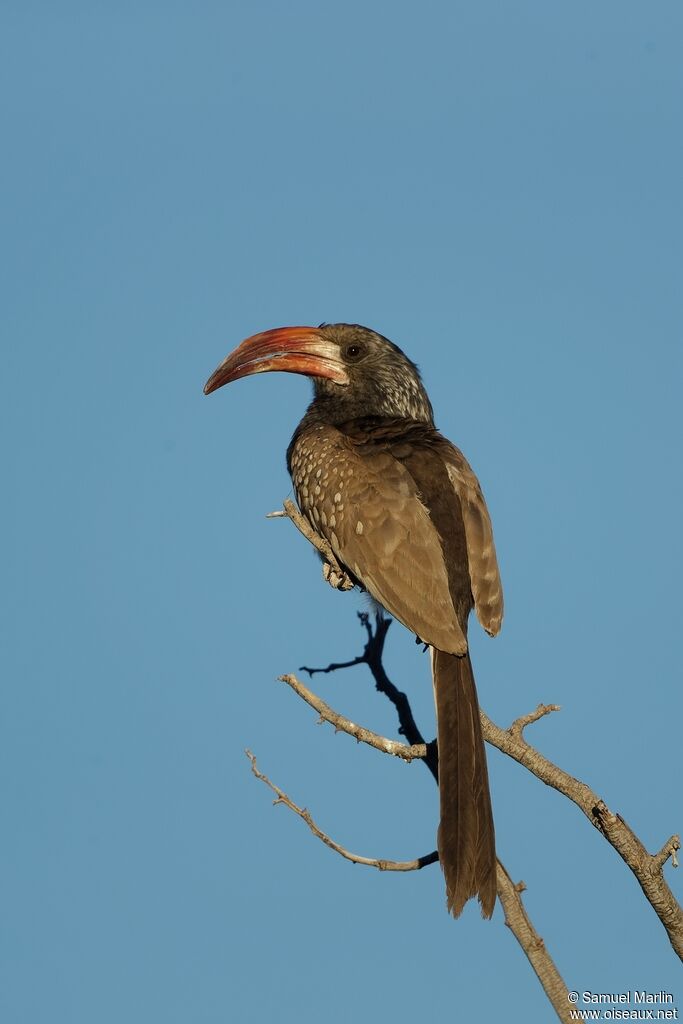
(321, 469)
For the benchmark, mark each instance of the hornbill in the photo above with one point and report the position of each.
(406, 519)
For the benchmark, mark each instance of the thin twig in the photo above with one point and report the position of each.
(342, 724)
(518, 726)
(670, 849)
(370, 862)
(333, 572)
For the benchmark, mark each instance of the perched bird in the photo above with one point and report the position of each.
(406, 519)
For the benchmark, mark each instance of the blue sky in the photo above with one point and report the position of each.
(498, 189)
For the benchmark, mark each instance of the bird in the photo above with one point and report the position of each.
(404, 515)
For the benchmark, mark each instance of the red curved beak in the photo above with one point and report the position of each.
(292, 349)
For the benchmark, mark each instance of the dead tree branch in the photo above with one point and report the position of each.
(517, 920)
(516, 917)
(332, 571)
(341, 724)
(370, 862)
(648, 868)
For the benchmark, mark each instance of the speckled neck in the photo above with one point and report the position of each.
(392, 394)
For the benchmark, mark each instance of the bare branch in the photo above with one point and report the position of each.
(359, 733)
(670, 849)
(303, 526)
(516, 917)
(333, 572)
(370, 862)
(647, 868)
(515, 914)
(518, 726)
(517, 920)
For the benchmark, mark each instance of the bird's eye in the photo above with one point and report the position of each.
(353, 352)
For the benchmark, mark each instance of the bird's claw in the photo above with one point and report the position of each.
(336, 577)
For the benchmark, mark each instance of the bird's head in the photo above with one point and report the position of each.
(355, 371)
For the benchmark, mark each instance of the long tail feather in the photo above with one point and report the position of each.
(466, 837)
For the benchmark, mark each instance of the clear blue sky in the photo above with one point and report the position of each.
(496, 187)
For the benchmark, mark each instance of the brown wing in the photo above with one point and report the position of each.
(436, 465)
(366, 504)
(487, 589)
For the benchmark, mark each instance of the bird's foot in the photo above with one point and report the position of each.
(336, 577)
